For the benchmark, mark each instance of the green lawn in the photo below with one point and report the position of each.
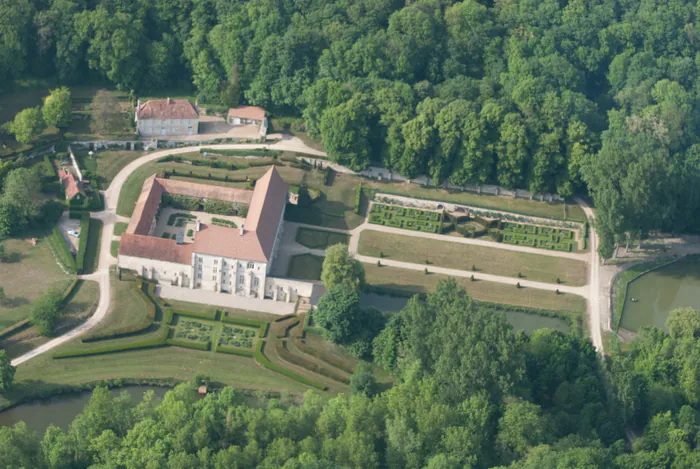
(305, 267)
(508, 204)
(463, 256)
(320, 239)
(168, 362)
(81, 304)
(120, 227)
(32, 271)
(413, 281)
(128, 307)
(92, 252)
(114, 248)
(107, 164)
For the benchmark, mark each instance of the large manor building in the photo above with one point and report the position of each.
(166, 117)
(210, 256)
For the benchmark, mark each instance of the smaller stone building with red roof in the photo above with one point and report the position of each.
(71, 185)
(216, 258)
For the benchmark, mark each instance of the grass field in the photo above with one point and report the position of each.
(128, 307)
(412, 281)
(168, 362)
(320, 239)
(32, 271)
(114, 248)
(508, 204)
(305, 267)
(81, 304)
(107, 164)
(92, 252)
(463, 256)
(120, 227)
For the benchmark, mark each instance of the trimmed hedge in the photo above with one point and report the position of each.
(304, 347)
(13, 329)
(261, 325)
(132, 329)
(193, 344)
(158, 341)
(358, 198)
(167, 316)
(60, 249)
(218, 207)
(82, 242)
(266, 363)
(182, 202)
(196, 314)
(285, 354)
(240, 351)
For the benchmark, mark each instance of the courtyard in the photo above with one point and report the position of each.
(172, 221)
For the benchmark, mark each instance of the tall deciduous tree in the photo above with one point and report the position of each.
(7, 372)
(340, 268)
(45, 311)
(27, 125)
(58, 107)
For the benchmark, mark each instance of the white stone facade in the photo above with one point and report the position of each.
(167, 127)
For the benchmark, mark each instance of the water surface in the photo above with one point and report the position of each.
(519, 320)
(659, 292)
(61, 410)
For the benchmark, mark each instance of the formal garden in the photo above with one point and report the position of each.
(543, 237)
(404, 217)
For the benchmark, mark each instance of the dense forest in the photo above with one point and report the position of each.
(469, 393)
(577, 96)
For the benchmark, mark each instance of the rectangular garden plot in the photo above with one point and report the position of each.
(193, 329)
(406, 218)
(544, 237)
(237, 336)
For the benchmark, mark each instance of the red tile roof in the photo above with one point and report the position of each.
(71, 186)
(267, 204)
(167, 109)
(247, 112)
(266, 208)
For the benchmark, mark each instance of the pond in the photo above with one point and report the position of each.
(659, 292)
(519, 320)
(62, 409)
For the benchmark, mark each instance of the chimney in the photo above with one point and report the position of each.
(242, 230)
(196, 225)
(170, 101)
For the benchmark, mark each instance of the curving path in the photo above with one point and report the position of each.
(109, 217)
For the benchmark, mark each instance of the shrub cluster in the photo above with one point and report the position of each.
(82, 242)
(60, 250)
(218, 207)
(181, 202)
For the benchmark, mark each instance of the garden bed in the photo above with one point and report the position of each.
(403, 217)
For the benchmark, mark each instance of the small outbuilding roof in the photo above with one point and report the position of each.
(247, 112)
(167, 109)
(71, 186)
